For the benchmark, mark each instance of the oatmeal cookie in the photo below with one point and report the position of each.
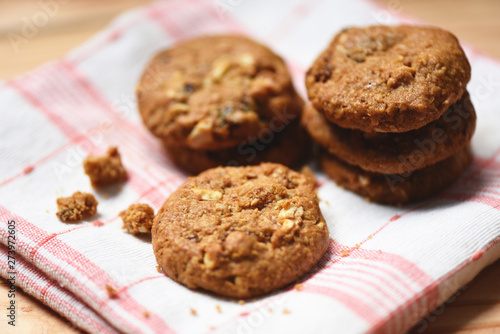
(213, 92)
(396, 153)
(397, 188)
(388, 78)
(76, 206)
(241, 231)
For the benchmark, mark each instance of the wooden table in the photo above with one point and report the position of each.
(475, 311)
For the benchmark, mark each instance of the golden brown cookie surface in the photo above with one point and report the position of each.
(241, 231)
(397, 153)
(213, 92)
(388, 79)
(397, 188)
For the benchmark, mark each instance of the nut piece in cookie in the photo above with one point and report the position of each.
(76, 206)
(106, 169)
(241, 231)
(138, 218)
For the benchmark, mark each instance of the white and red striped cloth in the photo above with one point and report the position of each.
(386, 267)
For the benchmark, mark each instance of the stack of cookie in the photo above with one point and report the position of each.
(391, 111)
(222, 100)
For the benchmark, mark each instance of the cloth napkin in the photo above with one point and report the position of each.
(385, 269)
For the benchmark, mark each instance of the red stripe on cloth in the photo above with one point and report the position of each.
(490, 201)
(292, 20)
(156, 12)
(385, 282)
(68, 130)
(416, 274)
(143, 141)
(41, 161)
(405, 267)
(397, 262)
(126, 287)
(434, 289)
(138, 183)
(111, 35)
(86, 268)
(60, 297)
(359, 307)
(342, 281)
(201, 13)
(35, 233)
(473, 187)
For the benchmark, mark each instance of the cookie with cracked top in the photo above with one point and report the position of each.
(388, 78)
(396, 153)
(214, 92)
(241, 231)
(397, 188)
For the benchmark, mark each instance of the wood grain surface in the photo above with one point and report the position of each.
(475, 311)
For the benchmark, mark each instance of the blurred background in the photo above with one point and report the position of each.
(34, 32)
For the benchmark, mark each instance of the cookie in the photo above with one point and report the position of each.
(396, 153)
(388, 78)
(397, 188)
(138, 218)
(213, 92)
(241, 231)
(76, 206)
(288, 147)
(105, 170)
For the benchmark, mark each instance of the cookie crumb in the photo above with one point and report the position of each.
(345, 253)
(380, 251)
(241, 302)
(286, 311)
(193, 312)
(271, 309)
(358, 245)
(298, 287)
(106, 169)
(159, 269)
(47, 211)
(370, 236)
(217, 307)
(145, 313)
(327, 203)
(76, 206)
(138, 218)
(112, 293)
